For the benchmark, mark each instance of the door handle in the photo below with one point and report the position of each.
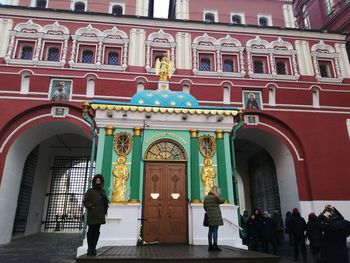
(170, 210)
(159, 211)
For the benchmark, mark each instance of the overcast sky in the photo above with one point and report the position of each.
(161, 8)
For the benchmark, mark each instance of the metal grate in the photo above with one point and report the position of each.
(53, 54)
(69, 182)
(228, 65)
(27, 52)
(205, 64)
(87, 56)
(281, 68)
(113, 58)
(258, 66)
(25, 193)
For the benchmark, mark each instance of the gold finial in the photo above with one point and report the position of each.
(109, 130)
(240, 115)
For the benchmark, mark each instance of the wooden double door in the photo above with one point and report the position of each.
(165, 203)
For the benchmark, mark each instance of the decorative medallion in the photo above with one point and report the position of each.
(207, 146)
(122, 143)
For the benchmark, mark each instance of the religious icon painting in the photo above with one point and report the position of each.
(60, 90)
(252, 100)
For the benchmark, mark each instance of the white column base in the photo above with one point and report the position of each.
(228, 233)
(121, 229)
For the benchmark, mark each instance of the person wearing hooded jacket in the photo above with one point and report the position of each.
(335, 231)
(297, 226)
(314, 235)
(211, 205)
(96, 203)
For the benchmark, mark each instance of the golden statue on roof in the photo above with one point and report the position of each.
(164, 68)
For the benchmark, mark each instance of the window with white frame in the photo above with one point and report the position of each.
(326, 63)
(87, 55)
(53, 54)
(236, 19)
(90, 88)
(260, 65)
(112, 55)
(117, 9)
(79, 7)
(228, 65)
(210, 16)
(227, 94)
(25, 81)
(272, 95)
(264, 20)
(206, 62)
(315, 97)
(26, 52)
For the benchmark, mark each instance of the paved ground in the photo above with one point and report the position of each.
(61, 248)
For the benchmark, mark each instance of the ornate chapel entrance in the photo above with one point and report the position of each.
(165, 194)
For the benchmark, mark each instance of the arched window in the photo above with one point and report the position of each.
(27, 52)
(79, 7)
(209, 17)
(263, 21)
(41, 4)
(228, 65)
(113, 58)
(25, 81)
(258, 66)
(90, 88)
(117, 10)
(315, 97)
(87, 56)
(281, 68)
(306, 19)
(205, 64)
(272, 96)
(53, 54)
(236, 19)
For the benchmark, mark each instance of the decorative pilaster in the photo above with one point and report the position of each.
(221, 162)
(136, 166)
(195, 182)
(37, 50)
(107, 158)
(65, 50)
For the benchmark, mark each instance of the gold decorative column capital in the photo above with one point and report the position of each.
(194, 133)
(109, 130)
(219, 134)
(86, 106)
(137, 131)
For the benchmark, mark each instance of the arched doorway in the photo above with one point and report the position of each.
(165, 193)
(266, 172)
(29, 172)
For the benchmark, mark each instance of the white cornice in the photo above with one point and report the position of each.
(171, 24)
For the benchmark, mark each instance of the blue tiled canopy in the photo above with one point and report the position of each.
(164, 98)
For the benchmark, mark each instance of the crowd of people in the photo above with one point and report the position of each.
(326, 233)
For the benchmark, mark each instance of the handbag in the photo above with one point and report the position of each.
(205, 220)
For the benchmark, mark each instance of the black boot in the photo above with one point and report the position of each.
(96, 236)
(90, 242)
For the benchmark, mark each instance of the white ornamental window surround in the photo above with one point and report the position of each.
(274, 50)
(39, 3)
(210, 16)
(230, 47)
(159, 41)
(205, 45)
(323, 52)
(57, 35)
(39, 35)
(88, 36)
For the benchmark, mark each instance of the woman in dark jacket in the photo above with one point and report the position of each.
(335, 231)
(96, 202)
(212, 208)
(253, 232)
(314, 235)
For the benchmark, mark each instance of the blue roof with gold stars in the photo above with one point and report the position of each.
(164, 98)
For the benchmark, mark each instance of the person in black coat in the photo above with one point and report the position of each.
(252, 230)
(287, 229)
(314, 235)
(297, 226)
(335, 231)
(268, 233)
(96, 203)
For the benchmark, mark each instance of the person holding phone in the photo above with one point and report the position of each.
(212, 207)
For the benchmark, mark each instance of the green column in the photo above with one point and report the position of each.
(107, 158)
(195, 182)
(221, 162)
(136, 166)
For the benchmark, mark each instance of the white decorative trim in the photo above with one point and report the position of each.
(114, 3)
(242, 15)
(161, 40)
(268, 17)
(214, 12)
(59, 112)
(325, 51)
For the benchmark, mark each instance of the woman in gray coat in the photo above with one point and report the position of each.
(212, 207)
(96, 202)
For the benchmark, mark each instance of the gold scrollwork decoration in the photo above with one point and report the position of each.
(207, 146)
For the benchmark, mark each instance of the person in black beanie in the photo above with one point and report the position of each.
(96, 203)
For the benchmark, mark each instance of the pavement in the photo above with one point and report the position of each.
(59, 247)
